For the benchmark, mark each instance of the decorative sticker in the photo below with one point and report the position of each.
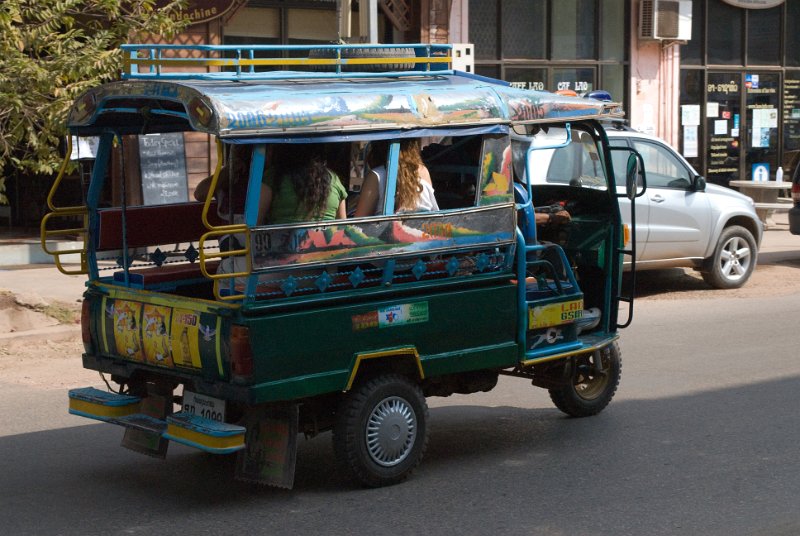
(403, 314)
(365, 321)
(157, 341)
(184, 334)
(127, 329)
(555, 314)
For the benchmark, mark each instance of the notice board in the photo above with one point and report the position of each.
(162, 161)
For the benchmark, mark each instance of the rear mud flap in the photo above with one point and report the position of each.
(270, 453)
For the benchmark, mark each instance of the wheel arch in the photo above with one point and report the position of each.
(742, 220)
(403, 360)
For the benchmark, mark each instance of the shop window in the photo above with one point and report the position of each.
(527, 78)
(792, 46)
(483, 28)
(524, 29)
(613, 30)
(573, 32)
(725, 34)
(763, 36)
(579, 80)
(692, 51)
(612, 79)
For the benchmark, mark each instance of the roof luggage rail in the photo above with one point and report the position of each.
(320, 61)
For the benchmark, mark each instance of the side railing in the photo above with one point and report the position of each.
(48, 234)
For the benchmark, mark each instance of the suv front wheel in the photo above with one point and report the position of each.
(734, 259)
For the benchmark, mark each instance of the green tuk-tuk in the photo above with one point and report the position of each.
(230, 334)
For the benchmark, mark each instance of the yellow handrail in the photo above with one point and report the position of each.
(243, 253)
(79, 210)
(216, 232)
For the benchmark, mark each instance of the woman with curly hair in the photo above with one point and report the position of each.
(414, 190)
(301, 187)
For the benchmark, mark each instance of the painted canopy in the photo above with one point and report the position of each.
(286, 106)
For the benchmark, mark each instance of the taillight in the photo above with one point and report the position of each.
(86, 328)
(241, 353)
(796, 192)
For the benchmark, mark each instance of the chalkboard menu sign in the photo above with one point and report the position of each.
(162, 161)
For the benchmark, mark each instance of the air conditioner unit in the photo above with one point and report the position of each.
(665, 19)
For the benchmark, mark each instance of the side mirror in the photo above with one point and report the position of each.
(699, 183)
(634, 176)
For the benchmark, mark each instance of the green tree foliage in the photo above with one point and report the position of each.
(50, 52)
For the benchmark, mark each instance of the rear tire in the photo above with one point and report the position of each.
(381, 432)
(588, 392)
(734, 259)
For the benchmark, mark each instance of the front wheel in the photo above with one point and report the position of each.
(380, 433)
(734, 259)
(593, 381)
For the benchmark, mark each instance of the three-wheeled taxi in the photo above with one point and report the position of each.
(225, 330)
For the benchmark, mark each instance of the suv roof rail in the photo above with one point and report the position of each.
(169, 61)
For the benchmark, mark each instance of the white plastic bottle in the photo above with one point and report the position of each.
(779, 175)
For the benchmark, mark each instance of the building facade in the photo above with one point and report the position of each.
(718, 79)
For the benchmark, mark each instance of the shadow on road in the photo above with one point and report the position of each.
(640, 467)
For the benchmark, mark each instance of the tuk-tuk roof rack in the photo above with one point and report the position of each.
(322, 61)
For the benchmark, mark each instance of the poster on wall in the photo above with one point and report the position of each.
(690, 144)
(690, 115)
(764, 120)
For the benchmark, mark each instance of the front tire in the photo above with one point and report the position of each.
(381, 433)
(589, 391)
(734, 259)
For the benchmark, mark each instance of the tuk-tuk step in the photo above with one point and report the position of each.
(101, 405)
(185, 428)
(198, 432)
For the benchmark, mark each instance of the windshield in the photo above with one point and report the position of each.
(578, 164)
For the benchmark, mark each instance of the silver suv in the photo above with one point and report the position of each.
(681, 221)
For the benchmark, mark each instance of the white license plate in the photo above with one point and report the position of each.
(204, 406)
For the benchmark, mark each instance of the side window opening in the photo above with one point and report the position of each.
(454, 164)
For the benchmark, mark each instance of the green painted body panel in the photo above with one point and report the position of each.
(314, 350)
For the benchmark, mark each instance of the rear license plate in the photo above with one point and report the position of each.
(204, 406)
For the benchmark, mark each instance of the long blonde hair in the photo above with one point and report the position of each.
(409, 185)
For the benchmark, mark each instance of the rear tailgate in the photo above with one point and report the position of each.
(159, 332)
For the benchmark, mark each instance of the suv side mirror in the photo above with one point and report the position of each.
(699, 183)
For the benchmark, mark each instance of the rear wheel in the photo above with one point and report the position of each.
(593, 381)
(734, 259)
(381, 431)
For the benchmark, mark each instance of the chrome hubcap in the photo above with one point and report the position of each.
(735, 258)
(391, 431)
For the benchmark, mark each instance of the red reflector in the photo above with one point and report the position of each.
(796, 192)
(86, 328)
(241, 352)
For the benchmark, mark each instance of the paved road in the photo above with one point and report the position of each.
(702, 439)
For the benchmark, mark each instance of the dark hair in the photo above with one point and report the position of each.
(304, 165)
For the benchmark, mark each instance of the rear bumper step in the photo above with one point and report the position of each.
(123, 410)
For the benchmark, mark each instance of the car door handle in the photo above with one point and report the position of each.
(657, 199)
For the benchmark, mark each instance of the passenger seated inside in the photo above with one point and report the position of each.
(302, 188)
(414, 190)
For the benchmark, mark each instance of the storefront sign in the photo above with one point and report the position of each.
(198, 11)
(754, 4)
